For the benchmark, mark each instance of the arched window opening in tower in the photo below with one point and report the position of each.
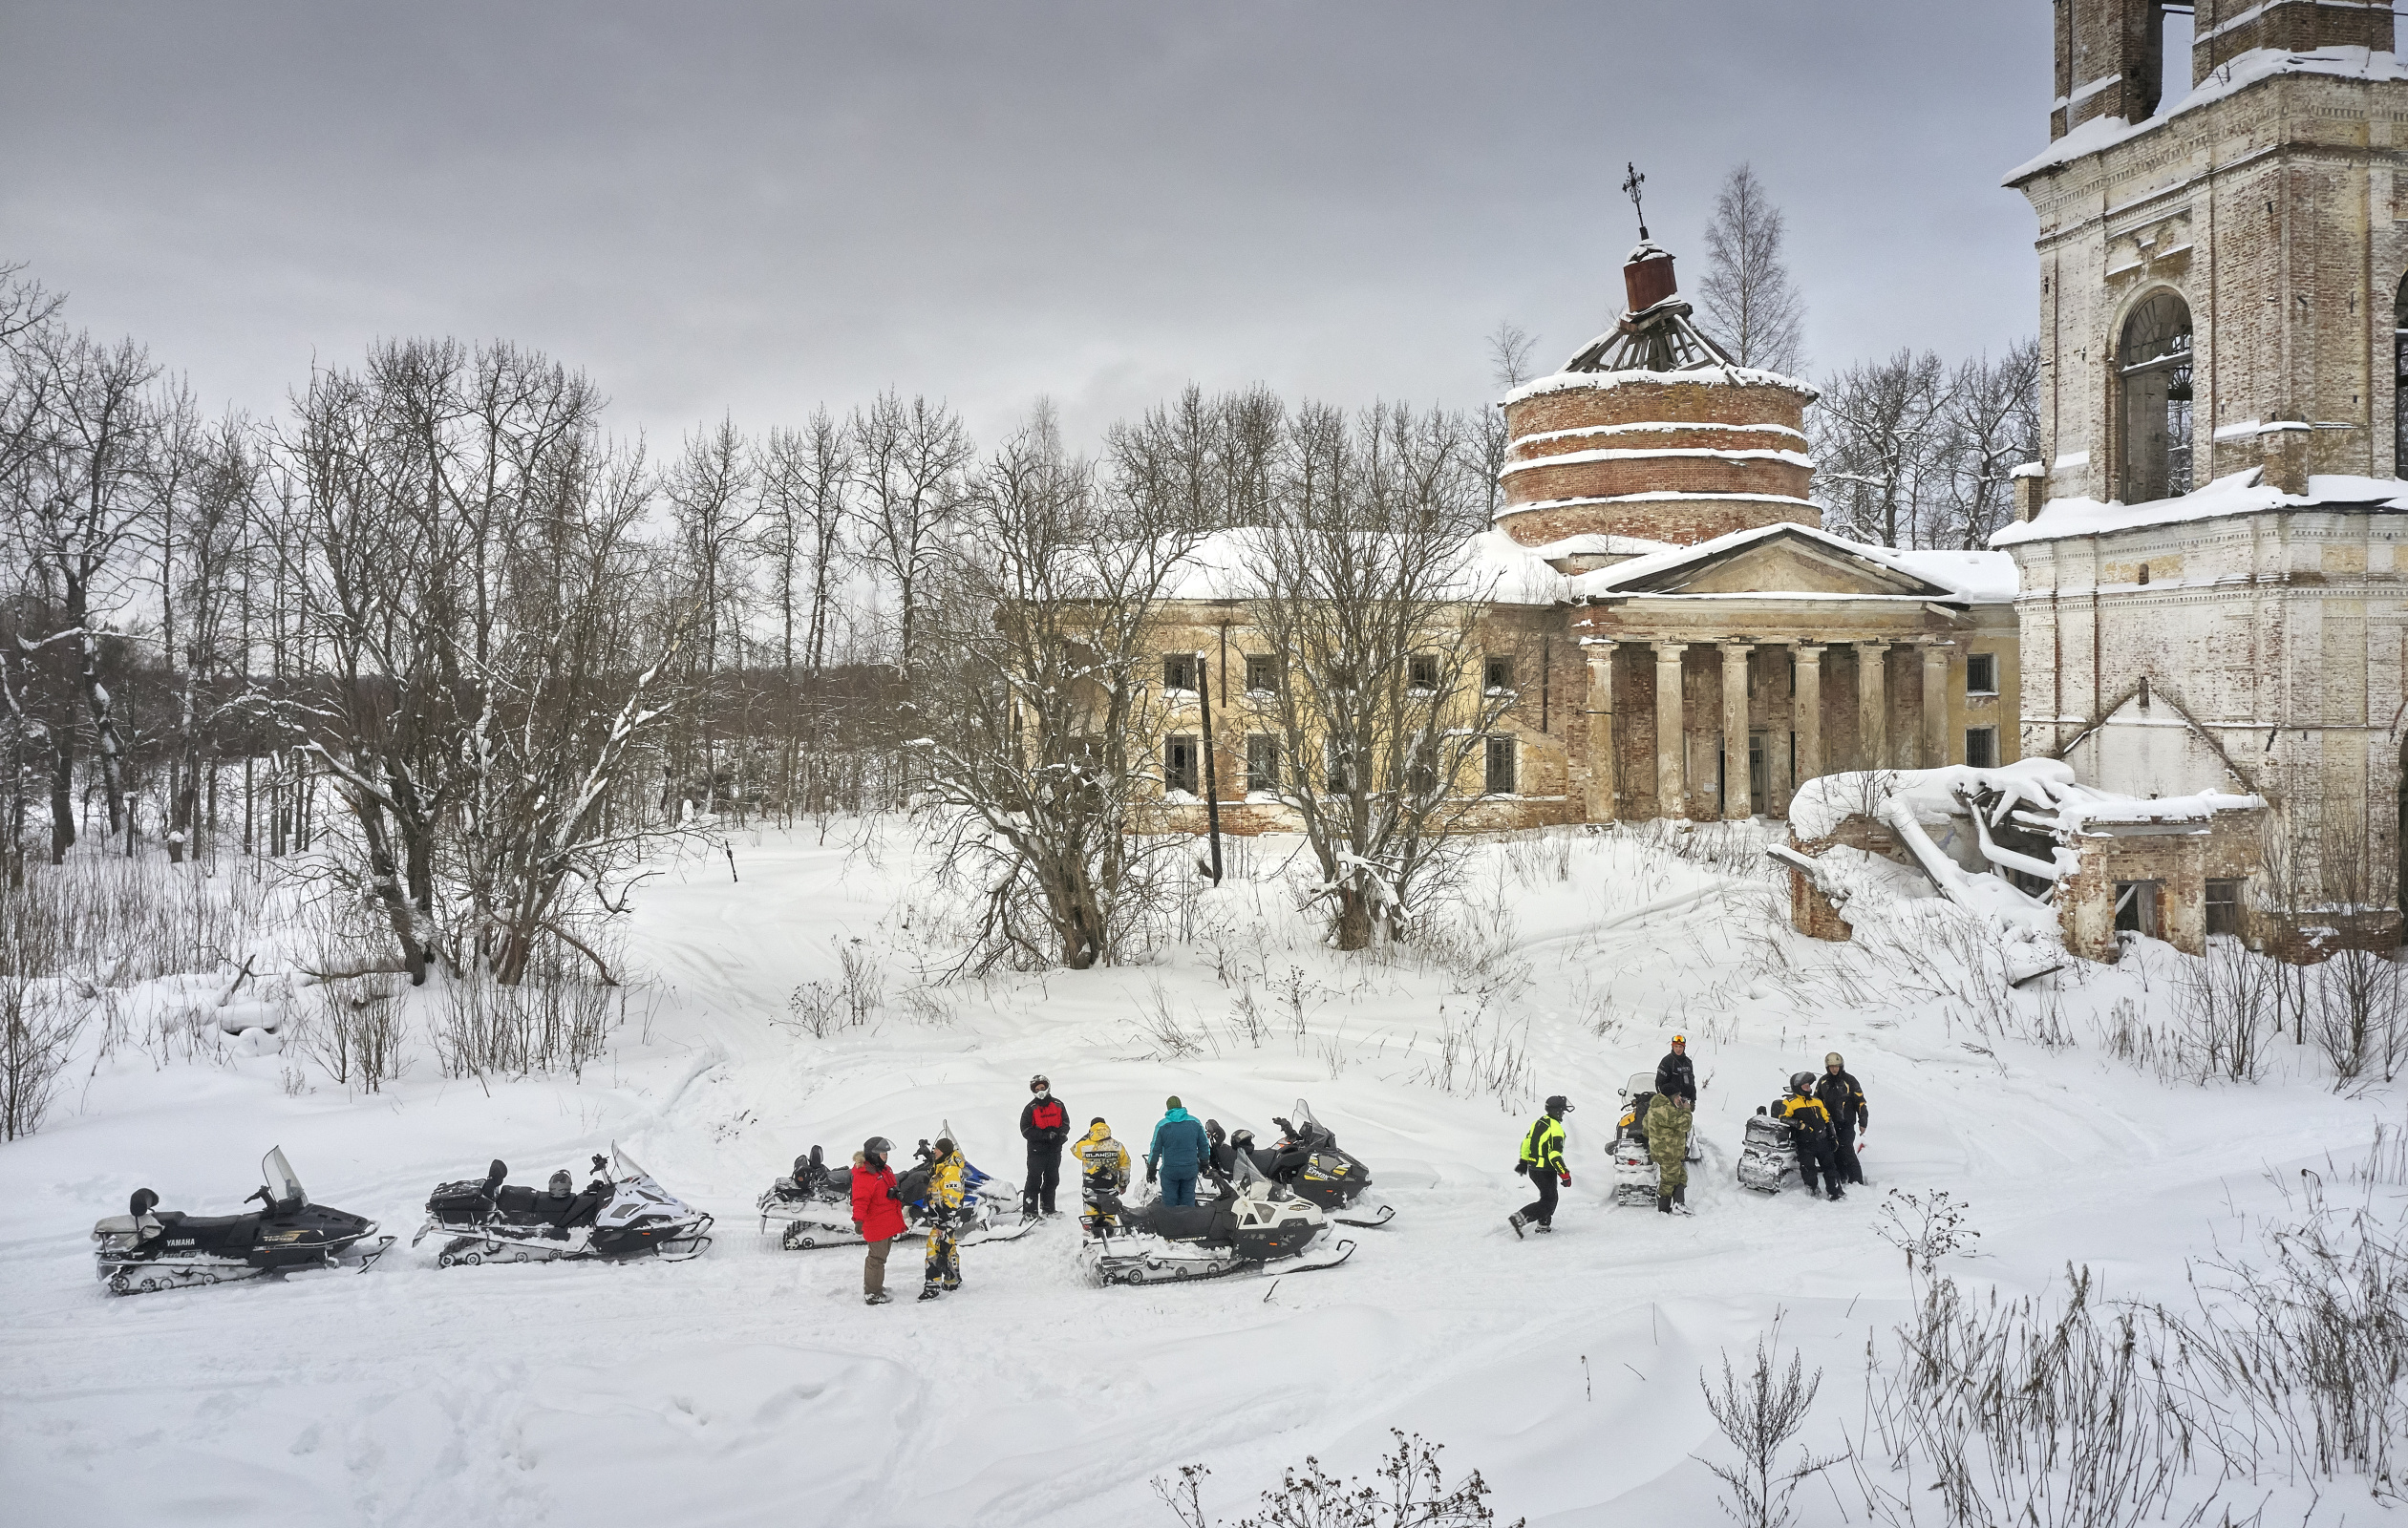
(2153, 364)
(2399, 388)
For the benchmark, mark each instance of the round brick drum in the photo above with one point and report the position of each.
(1680, 456)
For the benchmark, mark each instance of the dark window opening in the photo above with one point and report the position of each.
(2144, 573)
(2136, 908)
(1496, 673)
(1501, 779)
(2154, 366)
(1421, 672)
(1179, 762)
(1981, 673)
(1981, 747)
(1262, 762)
(1261, 673)
(1179, 670)
(2223, 908)
(1759, 778)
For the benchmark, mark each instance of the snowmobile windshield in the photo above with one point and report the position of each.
(626, 1165)
(1641, 1082)
(277, 1173)
(1303, 1119)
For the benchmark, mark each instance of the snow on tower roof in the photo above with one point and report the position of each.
(2241, 493)
(1724, 376)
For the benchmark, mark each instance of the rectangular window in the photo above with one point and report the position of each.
(1981, 747)
(2223, 908)
(1981, 673)
(1501, 781)
(1179, 670)
(1261, 673)
(1421, 672)
(1496, 673)
(2136, 908)
(1179, 762)
(1262, 762)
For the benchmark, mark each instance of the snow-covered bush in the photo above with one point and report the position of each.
(1409, 1490)
(356, 1034)
(558, 1018)
(1757, 1413)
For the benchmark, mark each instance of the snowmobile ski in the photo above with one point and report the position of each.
(149, 1250)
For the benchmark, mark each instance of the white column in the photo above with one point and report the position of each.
(1672, 748)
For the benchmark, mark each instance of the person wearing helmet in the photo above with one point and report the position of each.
(1843, 1100)
(1676, 1076)
(876, 1214)
(1045, 1125)
(1542, 1163)
(1810, 1130)
(943, 1271)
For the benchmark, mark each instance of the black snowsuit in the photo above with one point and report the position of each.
(1675, 1074)
(1045, 1125)
(1843, 1099)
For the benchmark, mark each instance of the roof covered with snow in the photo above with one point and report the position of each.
(2241, 493)
(1974, 577)
(1718, 376)
(2106, 132)
(1490, 566)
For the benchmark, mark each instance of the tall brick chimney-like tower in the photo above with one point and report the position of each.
(1652, 431)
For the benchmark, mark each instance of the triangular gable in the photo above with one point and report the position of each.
(1788, 560)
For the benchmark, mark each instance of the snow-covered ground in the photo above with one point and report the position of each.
(752, 1385)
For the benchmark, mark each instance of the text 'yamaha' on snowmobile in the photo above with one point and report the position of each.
(1768, 1157)
(815, 1203)
(1251, 1224)
(622, 1213)
(149, 1248)
(1636, 1175)
(1306, 1158)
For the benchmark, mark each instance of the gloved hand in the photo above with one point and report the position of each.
(858, 1229)
(1149, 1172)
(1567, 1178)
(1522, 1169)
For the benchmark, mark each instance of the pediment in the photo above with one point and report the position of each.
(1786, 564)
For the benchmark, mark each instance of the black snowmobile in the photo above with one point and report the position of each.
(149, 1248)
(1306, 1159)
(1251, 1224)
(622, 1213)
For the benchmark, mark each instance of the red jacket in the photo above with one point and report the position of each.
(875, 1207)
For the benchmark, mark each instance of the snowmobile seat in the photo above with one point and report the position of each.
(1183, 1222)
(210, 1230)
(519, 1201)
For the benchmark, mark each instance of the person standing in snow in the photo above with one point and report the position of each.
(1810, 1130)
(876, 1214)
(1178, 1152)
(944, 1268)
(1045, 1125)
(1842, 1098)
(1667, 1126)
(1543, 1164)
(1103, 1164)
(1675, 1075)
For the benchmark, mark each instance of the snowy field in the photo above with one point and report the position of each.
(752, 1386)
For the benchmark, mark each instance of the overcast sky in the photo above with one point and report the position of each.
(755, 208)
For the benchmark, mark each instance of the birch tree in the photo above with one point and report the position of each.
(1750, 300)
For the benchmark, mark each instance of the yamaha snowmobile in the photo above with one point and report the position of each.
(1307, 1159)
(1636, 1175)
(622, 1213)
(149, 1248)
(1251, 1224)
(816, 1204)
(1768, 1157)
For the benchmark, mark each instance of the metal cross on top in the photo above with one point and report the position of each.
(1631, 187)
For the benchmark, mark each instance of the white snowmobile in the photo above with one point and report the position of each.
(815, 1203)
(1768, 1157)
(1251, 1225)
(149, 1248)
(1636, 1175)
(1306, 1158)
(622, 1213)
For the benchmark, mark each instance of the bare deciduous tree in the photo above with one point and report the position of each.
(910, 458)
(1749, 298)
(1878, 430)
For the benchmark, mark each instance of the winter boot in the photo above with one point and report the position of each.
(1680, 1201)
(928, 1291)
(1836, 1193)
(1663, 1204)
(1544, 1225)
(1514, 1220)
(881, 1297)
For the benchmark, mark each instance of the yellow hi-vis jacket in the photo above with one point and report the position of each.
(1542, 1145)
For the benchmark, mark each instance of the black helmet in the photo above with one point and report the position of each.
(1801, 1082)
(877, 1146)
(559, 1184)
(1558, 1104)
(1039, 1081)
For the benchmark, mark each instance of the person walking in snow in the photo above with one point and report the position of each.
(1667, 1125)
(943, 1271)
(1675, 1075)
(1104, 1165)
(1178, 1152)
(1543, 1164)
(1810, 1130)
(876, 1214)
(1045, 1125)
(1842, 1098)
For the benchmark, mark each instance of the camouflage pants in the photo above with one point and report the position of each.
(1672, 1174)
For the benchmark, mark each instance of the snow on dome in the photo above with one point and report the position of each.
(2240, 493)
(1713, 376)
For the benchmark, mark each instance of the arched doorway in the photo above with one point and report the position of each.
(2152, 373)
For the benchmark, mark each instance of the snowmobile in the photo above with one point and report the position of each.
(622, 1213)
(1768, 1157)
(149, 1248)
(816, 1204)
(1251, 1224)
(1636, 1175)
(1307, 1159)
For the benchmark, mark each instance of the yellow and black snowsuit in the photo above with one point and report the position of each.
(1099, 1153)
(944, 1269)
(1542, 1160)
(1810, 1129)
(1668, 1122)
